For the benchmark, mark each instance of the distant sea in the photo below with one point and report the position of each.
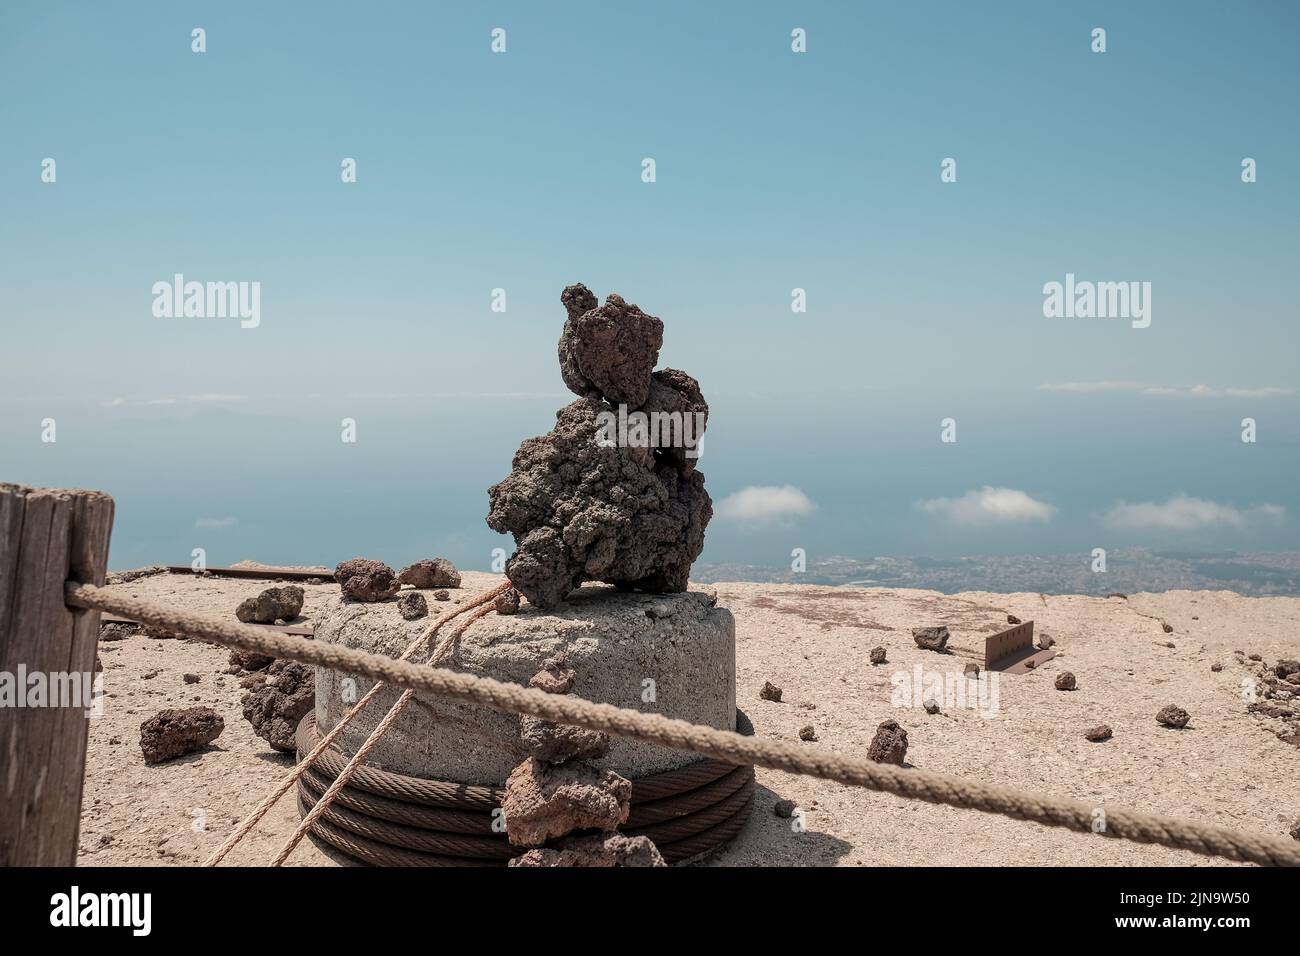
(1128, 571)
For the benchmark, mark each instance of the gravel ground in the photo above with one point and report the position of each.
(1227, 767)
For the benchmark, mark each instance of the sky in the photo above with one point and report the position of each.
(775, 170)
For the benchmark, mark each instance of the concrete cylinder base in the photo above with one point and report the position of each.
(670, 654)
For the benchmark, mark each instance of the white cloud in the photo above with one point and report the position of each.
(989, 505)
(765, 504)
(1185, 513)
(209, 524)
(1194, 391)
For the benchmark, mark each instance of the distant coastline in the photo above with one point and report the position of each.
(1253, 573)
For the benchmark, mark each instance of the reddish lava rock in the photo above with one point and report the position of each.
(544, 801)
(555, 743)
(1099, 733)
(174, 733)
(878, 655)
(362, 579)
(889, 745)
(605, 851)
(1065, 681)
(434, 573)
(770, 692)
(556, 676)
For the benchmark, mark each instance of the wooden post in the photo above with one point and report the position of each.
(47, 536)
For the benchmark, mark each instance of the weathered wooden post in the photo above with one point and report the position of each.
(47, 536)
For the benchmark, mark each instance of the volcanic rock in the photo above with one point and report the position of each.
(1012, 619)
(435, 573)
(889, 745)
(877, 655)
(1171, 715)
(583, 507)
(543, 801)
(507, 602)
(363, 579)
(283, 602)
(117, 631)
(613, 850)
(555, 743)
(174, 733)
(611, 349)
(441, 595)
(274, 709)
(931, 706)
(783, 808)
(1283, 668)
(930, 638)
(1066, 681)
(1046, 641)
(808, 732)
(556, 676)
(770, 692)
(412, 606)
(249, 660)
(1098, 734)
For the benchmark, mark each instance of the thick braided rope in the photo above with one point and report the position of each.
(440, 654)
(723, 745)
(270, 800)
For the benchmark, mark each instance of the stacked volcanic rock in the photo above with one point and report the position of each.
(584, 505)
(555, 792)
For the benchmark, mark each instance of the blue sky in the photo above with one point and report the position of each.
(775, 170)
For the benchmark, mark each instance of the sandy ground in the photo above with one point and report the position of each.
(1228, 767)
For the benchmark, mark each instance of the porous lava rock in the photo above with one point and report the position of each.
(585, 505)
(930, 638)
(431, 573)
(543, 801)
(611, 349)
(1066, 681)
(889, 745)
(507, 602)
(555, 743)
(878, 655)
(174, 733)
(770, 691)
(1099, 733)
(363, 579)
(249, 660)
(1171, 715)
(412, 606)
(556, 676)
(599, 851)
(286, 694)
(271, 605)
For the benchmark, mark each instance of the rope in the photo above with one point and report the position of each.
(722, 745)
(247, 824)
(440, 653)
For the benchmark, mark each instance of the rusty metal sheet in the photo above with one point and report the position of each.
(289, 574)
(1012, 651)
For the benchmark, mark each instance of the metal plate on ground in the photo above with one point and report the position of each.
(1012, 651)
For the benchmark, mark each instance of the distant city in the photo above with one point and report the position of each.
(1254, 573)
